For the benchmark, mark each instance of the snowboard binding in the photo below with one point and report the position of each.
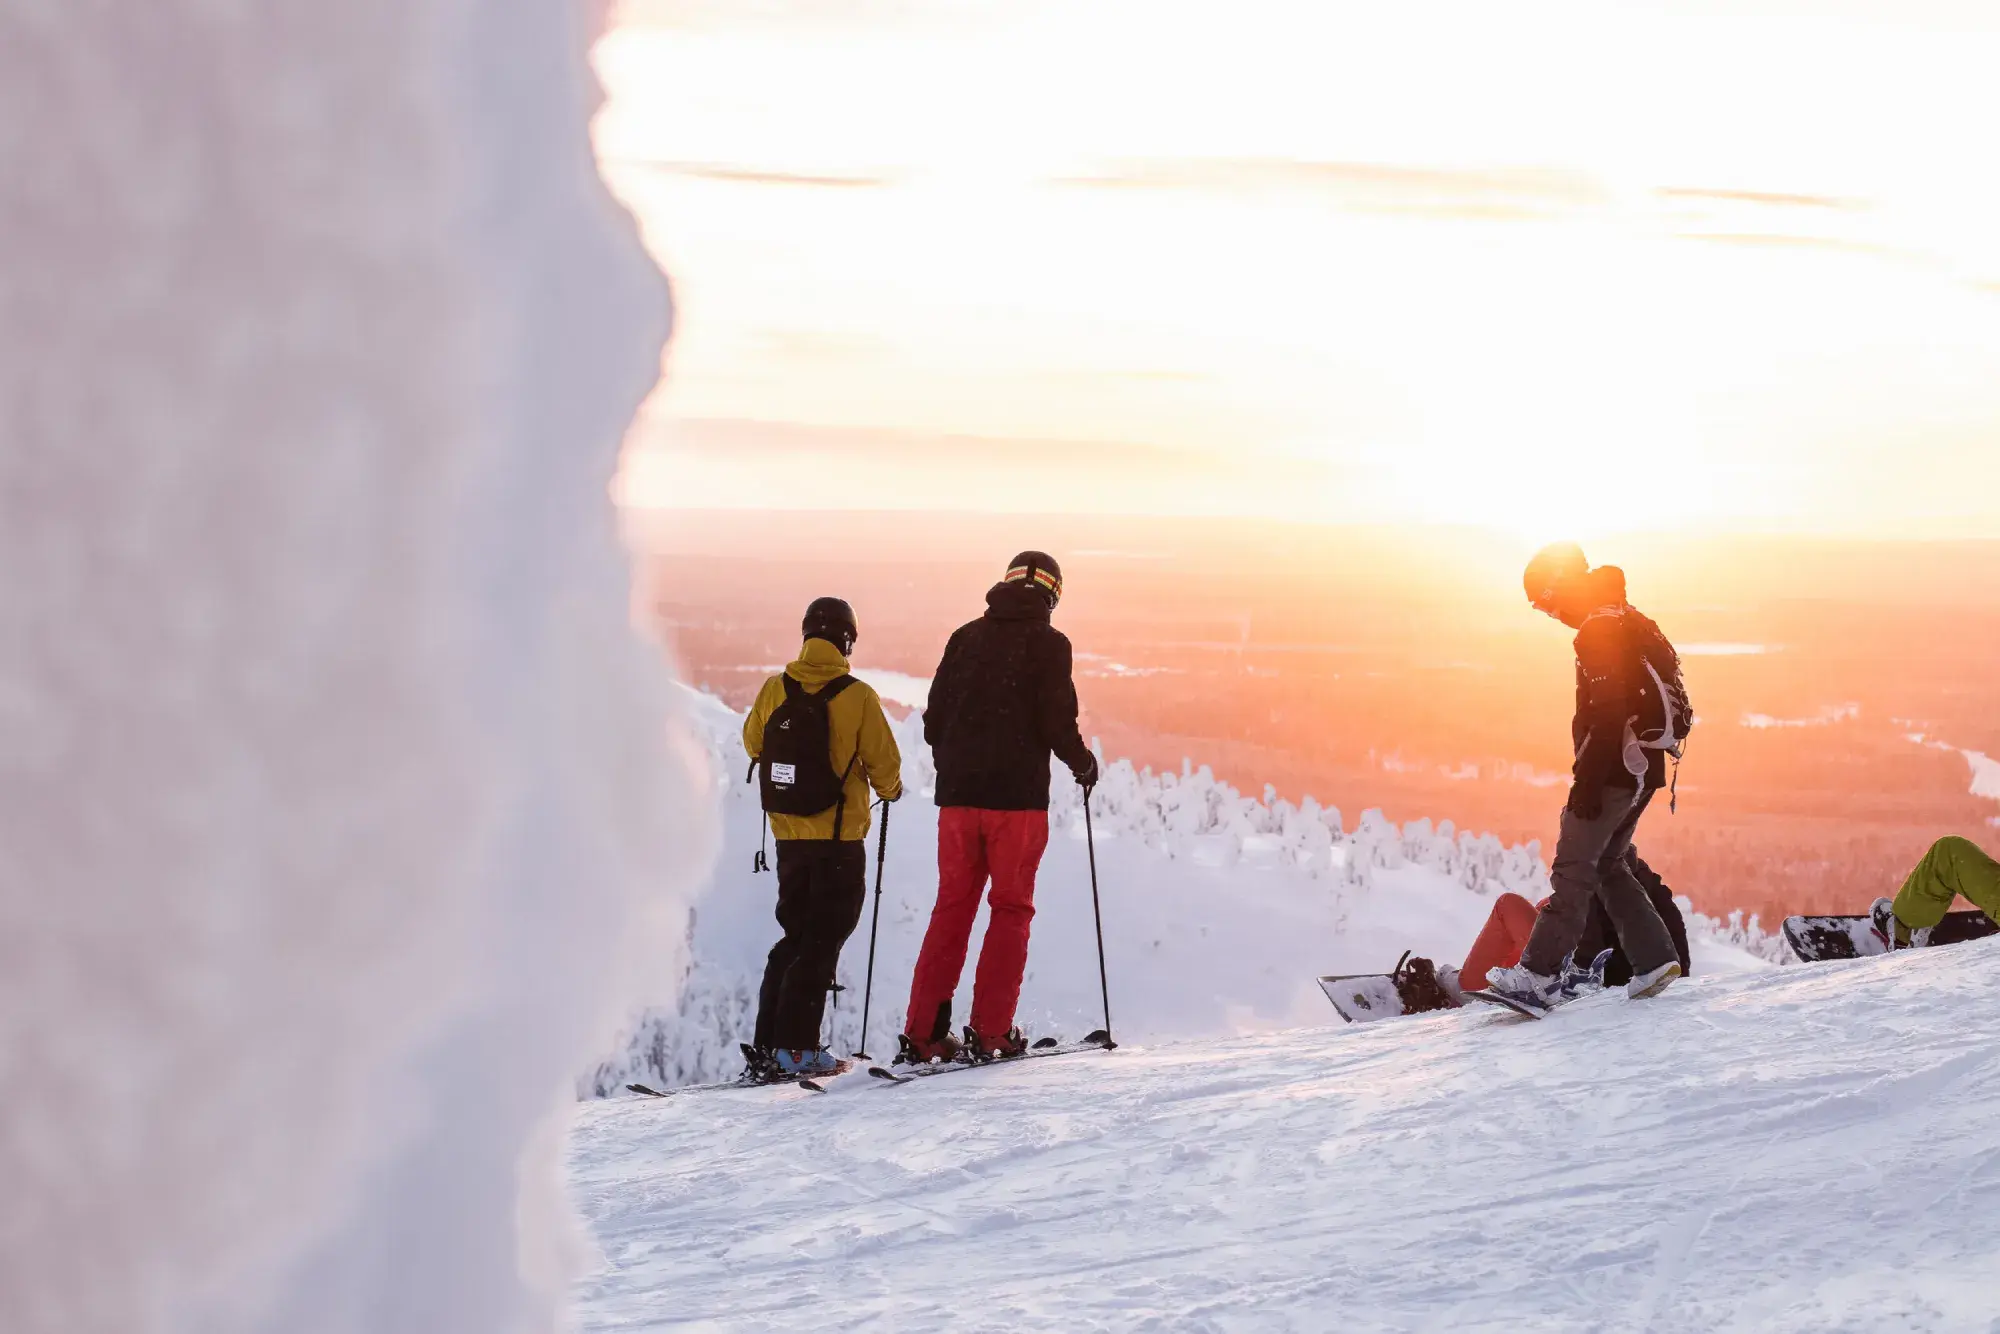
(1417, 984)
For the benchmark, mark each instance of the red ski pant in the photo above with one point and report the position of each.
(973, 846)
(1500, 941)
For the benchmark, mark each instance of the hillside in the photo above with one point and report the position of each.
(1807, 1148)
(1219, 911)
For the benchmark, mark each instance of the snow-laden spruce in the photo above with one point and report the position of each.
(1220, 909)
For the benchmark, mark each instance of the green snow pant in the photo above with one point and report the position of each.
(1953, 866)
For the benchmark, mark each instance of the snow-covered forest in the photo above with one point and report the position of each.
(1220, 909)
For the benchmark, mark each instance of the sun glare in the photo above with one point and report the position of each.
(1601, 298)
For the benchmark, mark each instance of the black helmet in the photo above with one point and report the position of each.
(1039, 571)
(1552, 567)
(831, 619)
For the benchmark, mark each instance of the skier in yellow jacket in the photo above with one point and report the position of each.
(821, 742)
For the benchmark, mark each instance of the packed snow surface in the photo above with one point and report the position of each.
(1807, 1148)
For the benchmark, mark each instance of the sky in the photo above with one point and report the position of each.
(1557, 268)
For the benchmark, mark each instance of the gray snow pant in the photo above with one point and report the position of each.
(1590, 864)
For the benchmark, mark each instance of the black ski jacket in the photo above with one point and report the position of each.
(1001, 702)
(1608, 672)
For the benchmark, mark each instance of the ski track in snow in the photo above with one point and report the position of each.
(1799, 1149)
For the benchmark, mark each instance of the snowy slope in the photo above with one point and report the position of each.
(1798, 1149)
(1219, 911)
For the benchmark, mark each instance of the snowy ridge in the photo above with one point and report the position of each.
(1220, 909)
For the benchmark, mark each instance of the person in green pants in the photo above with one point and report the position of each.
(1952, 867)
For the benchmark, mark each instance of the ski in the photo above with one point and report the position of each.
(741, 1082)
(1096, 1041)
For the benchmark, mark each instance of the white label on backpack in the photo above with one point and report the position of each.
(784, 775)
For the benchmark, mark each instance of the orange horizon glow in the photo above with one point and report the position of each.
(1567, 269)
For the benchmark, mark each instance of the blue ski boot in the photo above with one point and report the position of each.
(806, 1064)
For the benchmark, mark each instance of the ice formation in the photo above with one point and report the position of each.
(334, 784)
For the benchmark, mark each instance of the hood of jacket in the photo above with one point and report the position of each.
(818, 662)
(1016, 602)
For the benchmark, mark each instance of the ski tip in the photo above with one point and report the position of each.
(1100, 1038)
(809, 1085)
(880, 1073)
(643, 1090)
(1044, 1044)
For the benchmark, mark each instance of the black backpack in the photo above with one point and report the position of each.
(1664, 715)
(795, 772)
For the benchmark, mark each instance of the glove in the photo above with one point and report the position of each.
(1086, 777)
(897, 797)
(1586, 800)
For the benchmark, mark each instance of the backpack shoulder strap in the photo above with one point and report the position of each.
(834, 687)
(792, 688)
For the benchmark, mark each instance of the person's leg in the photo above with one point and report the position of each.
(1573, 881)
(1015, 843)
(961, 880)
(1641, 934)
(794, 893)
(1952, 867)
(1662, 899)
(839, 885)
(1500, 941)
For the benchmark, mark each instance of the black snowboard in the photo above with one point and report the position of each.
(1817, 938)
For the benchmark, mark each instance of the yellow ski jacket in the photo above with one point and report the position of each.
(859, 731)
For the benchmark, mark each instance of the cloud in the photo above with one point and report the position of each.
(748, 175)
(1502, 193)
(1767, 199)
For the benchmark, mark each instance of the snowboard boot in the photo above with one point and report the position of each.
(1448, 979)
(760, 1066)
(805, 1064)
(1528, 989)
(1418, 985)
(1575, 981)
(1654, 982)
(1011, 1043)
(923, 1051)
(1890, 930)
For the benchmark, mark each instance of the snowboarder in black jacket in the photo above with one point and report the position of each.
(1001, 703)
(1614, 779)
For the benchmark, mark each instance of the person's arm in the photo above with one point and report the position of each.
(753, 722)
(941, 705)
(876, 744)
(1056, 709)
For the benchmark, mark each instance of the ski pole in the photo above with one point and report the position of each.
(868, 992)
(1103, 981)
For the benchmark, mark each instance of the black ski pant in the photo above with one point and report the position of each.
(822, 883)
(1600, 935)
(1590, 865)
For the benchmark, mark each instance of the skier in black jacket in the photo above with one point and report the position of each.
(1001, 703)
(1615, 777)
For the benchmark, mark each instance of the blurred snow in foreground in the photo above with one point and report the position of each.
(333, 787)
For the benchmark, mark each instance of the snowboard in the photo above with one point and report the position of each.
(1816, 938)
(1506, 1003)
(1362, 998)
